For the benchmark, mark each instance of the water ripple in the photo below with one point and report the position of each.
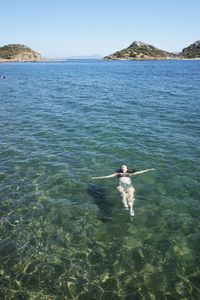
(64, 236)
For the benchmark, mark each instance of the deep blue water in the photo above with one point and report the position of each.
(66, 236)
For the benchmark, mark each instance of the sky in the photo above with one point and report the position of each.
(63, 28)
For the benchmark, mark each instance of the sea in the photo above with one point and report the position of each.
(64, 235)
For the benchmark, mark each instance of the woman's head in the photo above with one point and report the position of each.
(124, 168)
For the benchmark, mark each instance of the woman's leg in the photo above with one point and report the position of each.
(124, 196)
(131, 199)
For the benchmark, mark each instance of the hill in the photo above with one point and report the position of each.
(192, 51)
(141, 51)
(18, 52)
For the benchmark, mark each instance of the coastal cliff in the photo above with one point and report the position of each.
(18, 52)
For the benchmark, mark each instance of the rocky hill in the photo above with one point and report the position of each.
(18, 52)
(192, 51)
(141, 51)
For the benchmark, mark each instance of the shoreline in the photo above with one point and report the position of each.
(155, 59)
(33, 61)
(104, 59)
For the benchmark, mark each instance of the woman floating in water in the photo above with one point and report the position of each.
(125, 186)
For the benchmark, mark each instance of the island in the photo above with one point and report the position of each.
(141, 51)
(18, 52)
(136, 51)
(191, 52)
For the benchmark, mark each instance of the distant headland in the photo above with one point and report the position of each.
(141, 51)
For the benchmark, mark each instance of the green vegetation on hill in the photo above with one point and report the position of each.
(141, 51)
(192, 51)
(18, 52)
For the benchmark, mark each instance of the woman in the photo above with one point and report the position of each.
(125, 186)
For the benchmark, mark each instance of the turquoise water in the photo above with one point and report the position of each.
(66, 236)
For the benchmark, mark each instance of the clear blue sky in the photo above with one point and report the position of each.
(61, 28)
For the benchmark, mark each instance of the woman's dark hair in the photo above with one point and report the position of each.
(120, 171)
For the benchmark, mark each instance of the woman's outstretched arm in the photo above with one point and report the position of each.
(140, 172)
(108, 176)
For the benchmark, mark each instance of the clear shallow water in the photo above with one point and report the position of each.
(66, 236)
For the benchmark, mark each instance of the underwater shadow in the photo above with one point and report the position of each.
(98, 194)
